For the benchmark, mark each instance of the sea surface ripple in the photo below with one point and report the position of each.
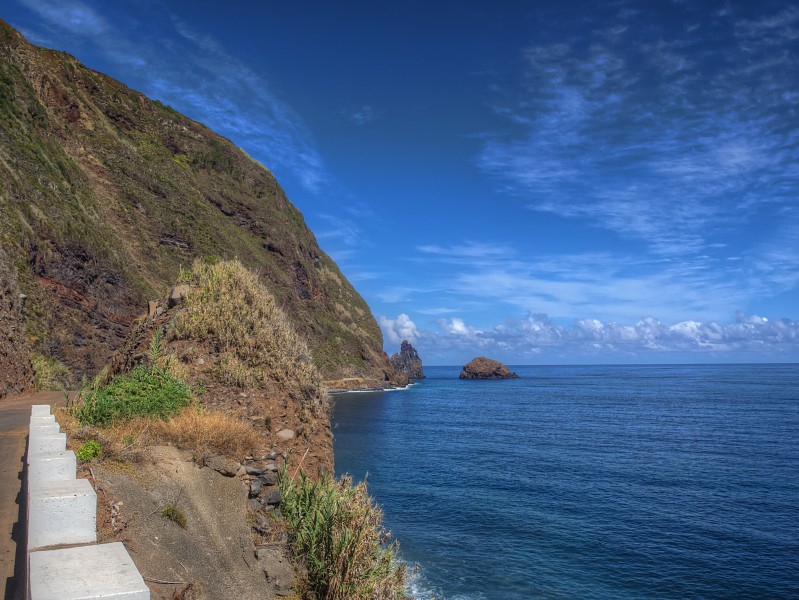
(587, 482)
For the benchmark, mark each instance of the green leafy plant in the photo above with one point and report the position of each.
(88, 451)
(337, 530)
(144, 391)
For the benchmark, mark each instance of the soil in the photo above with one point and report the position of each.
(214, 556)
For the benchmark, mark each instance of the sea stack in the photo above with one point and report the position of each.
(486, 368)
(407, 361)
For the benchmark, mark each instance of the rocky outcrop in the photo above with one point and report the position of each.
(486, 368)
(407, 361)
(105, 194)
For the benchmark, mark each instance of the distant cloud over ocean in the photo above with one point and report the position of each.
(538, 337)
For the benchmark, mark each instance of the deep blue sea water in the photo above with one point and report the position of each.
(587, 481)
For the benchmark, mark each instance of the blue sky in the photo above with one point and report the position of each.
(571, 182)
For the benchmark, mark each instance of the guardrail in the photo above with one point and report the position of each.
(65, 561)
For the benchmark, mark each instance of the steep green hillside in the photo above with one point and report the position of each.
(105, 194)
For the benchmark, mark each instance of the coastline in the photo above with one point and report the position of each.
(358, 384)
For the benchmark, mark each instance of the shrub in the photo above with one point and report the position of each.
(50, 375)
(88, 451)
(231, 309)
(337, 530)
(174, 514)
(144, 391)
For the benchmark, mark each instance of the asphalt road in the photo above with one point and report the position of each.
(14, 418)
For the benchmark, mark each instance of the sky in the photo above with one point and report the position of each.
(538, 182)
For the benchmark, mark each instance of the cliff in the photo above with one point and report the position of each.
(105, 194)
(407, 361)
(16, 370)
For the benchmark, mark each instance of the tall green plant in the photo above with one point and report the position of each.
(337, 530)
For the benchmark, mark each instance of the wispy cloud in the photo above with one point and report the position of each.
(362, 115)
(193, 73)
(630, 131)
(611, 285)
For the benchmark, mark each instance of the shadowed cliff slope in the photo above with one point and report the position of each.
(104, 194)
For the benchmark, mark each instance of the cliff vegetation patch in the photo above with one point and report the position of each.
(337, 532)
(228, 307)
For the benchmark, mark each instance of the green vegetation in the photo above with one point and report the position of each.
(337, 531)
(174, 514)
(145, 391)
(50, 375)
(229, 307)
(88, 451)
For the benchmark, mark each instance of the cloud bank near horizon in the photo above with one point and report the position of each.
(537, 337)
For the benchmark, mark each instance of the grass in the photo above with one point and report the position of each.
(144, 391)
(174, 514)
(50, 375)
(337, 531)
(203, 432)
(194, 429)
(229, 308)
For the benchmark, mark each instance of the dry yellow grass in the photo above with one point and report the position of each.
(201, 431)
(228, 307)
(192, 429)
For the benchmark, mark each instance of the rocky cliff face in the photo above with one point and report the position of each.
(16, 371)
(486, 368)
(407, 361)
(105, 194)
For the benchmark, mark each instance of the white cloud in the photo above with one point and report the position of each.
(456, 326)
(399, 329)
(538, 336)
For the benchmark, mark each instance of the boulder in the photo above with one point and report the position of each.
(407, 361)
(226, 466)
(177, 295)
(273, 497)
(277, 569)
(285, 434)
(486, 368)
(268, 479)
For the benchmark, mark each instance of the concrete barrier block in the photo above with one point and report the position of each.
(40, 410)
(90, 572)
(61, 512)
(48, 420)
(39, 430)
(51, 466)
(55, 442)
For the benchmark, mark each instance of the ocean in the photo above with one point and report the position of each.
(586, 481)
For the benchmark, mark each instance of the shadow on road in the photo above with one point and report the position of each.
(16, 584)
